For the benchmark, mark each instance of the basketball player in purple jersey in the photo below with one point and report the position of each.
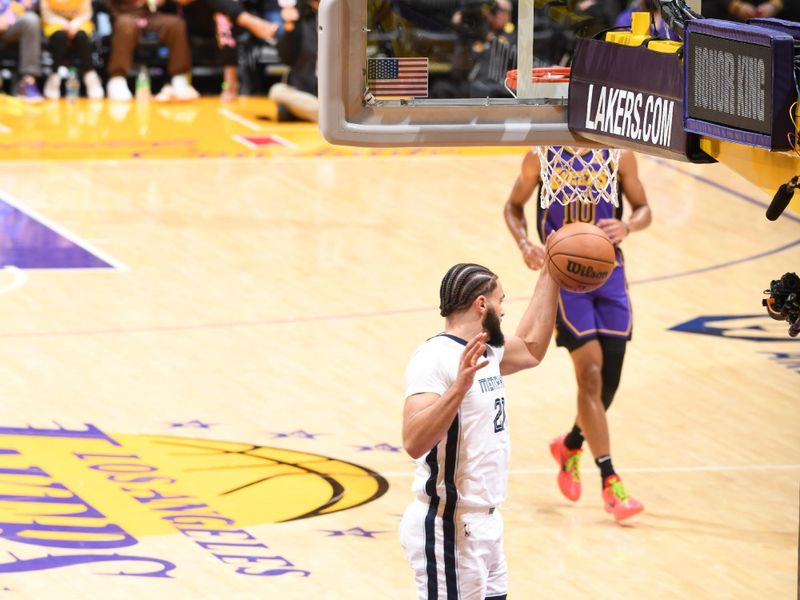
(594, 327)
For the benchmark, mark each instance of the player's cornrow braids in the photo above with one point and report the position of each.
(462, 284)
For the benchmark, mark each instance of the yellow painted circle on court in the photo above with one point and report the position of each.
(150, 484)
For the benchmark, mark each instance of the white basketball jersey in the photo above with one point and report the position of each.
(470, 465)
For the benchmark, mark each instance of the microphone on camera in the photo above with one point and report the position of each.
(781, 199)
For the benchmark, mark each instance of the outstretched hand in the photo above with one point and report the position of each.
(468, 364)
(614, 229)
(532, 255)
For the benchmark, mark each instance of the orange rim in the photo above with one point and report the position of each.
(541, 75)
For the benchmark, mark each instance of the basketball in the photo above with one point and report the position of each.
(580, 257)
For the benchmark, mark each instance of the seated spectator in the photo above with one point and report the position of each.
(297, 48)
(68, 27)
(483, 53)
(494, 55)
(743, 9)
(18, 25)
(215, 18)
(130, 18)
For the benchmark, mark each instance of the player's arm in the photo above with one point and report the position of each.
(514, 210)
(428, 416)
(527, 347)
(633, 190)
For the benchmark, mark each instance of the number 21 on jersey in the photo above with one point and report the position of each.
(500, 414)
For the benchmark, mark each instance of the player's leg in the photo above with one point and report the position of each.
(614, 322)
(613, 315)
(482, 570)
(575, 326)
(587, 360)
(422, 541)
(497, 581)
(613, 357)
(464, 570)
(590, 364)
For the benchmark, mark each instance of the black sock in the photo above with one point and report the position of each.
(606, 468)
(574, 439)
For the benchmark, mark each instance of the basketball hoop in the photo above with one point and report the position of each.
(538, 75)
(571, 174)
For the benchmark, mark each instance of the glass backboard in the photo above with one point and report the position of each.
(422, 72)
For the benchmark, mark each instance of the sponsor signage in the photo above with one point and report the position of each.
(630, 97)
(739, 82)
(631, 115)
(727, 83)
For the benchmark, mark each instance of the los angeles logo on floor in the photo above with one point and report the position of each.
(78, 496)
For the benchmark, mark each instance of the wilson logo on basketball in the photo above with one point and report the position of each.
(577, 268)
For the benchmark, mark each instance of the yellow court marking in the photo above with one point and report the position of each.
(205, 128)
(88, 489)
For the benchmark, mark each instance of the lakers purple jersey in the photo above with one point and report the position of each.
(586, 179)
(605, 311)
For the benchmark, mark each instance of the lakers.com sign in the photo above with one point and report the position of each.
(80, 496)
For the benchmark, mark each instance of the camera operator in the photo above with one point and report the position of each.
(297, 48)
(783, 303)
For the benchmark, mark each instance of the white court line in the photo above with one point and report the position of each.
(228, 114)
(8, 199)
(698, 469)
(5, 129)
(283, 141)
(20, 279)
(246, 142)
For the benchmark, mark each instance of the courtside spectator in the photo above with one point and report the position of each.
(68, 27)
(19, 25)
(130, 19)
(297, 48)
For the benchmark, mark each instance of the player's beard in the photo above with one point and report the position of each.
(491, 325)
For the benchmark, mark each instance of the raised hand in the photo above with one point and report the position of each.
(468, 364)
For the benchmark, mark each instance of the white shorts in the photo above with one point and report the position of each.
(470, 566)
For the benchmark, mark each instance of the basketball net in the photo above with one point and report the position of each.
(571, 174)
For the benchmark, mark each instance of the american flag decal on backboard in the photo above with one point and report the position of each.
(393, 77)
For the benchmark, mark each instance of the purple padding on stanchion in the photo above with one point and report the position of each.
(740, 32)
(790, 27)
(739, 136)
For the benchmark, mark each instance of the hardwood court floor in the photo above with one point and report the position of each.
(165, 423)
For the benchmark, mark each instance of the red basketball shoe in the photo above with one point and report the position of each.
(617, 501)
(569, 475)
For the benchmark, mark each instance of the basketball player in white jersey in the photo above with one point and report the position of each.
(455, 426)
